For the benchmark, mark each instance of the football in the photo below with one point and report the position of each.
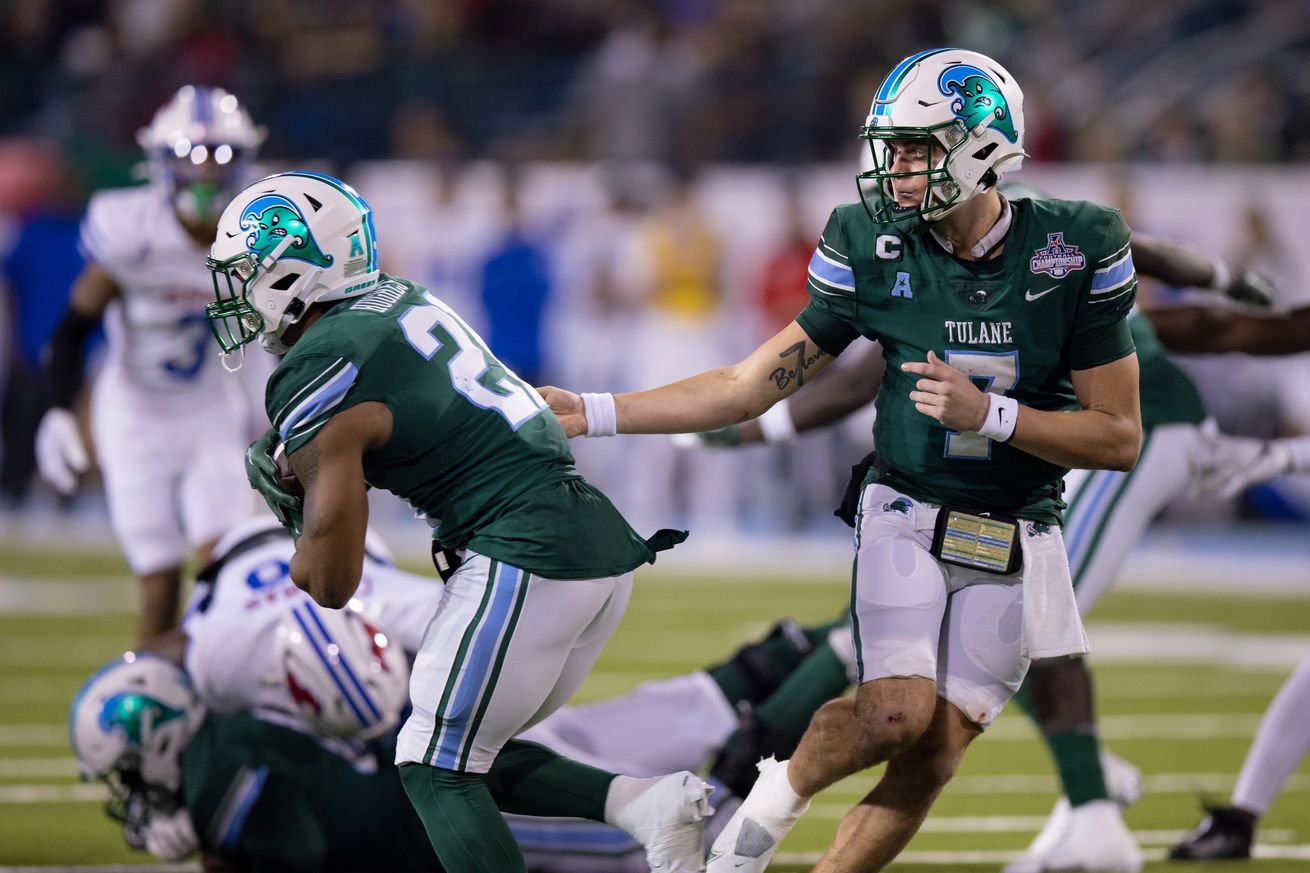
(286, 477)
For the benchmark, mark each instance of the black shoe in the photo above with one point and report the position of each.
(764, 666)
(1225, 832)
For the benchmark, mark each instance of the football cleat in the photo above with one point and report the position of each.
(1050, 834)
(667, 816)
(1224, 833)
(762, 821)
(1122, 779)
(1094, 840)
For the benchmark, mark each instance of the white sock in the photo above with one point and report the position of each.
(774, 796)
(618, 802)
(1280, 743)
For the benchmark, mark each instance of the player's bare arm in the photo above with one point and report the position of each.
(715, 398)
(1105, 434)
(1202, 330)
(330, 553)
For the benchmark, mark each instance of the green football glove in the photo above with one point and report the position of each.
(264, 476)
(1250, 287)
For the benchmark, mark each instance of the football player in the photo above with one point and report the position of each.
(1086, 831)
(960, 573)
(267, 704)
(381, 383)
(168, 427)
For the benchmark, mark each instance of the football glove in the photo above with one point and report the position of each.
(1250, 287)
(1228, 465)
(60, 454)
(170, 837)
(262, 471)
(724, 438)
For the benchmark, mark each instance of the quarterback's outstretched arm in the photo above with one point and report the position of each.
(330, 553)
(1200, 330)
(712, 399)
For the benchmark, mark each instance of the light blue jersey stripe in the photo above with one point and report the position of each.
(332, 393)
(831, 272)
(1113, 275)
(249, 793)
(1086, 519)
(477, 666)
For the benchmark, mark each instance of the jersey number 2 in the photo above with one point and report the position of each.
(997, 372)
(515, 401)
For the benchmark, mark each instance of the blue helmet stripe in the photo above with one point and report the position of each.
(371, 242)
(888, 88)
(345, 665)
(203, 106)
(327, 665)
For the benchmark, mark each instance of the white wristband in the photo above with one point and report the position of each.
(1002, 414)
(602, 417)
(776, 425)
(1298, 449)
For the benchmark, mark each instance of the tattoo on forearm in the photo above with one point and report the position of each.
(784, 375)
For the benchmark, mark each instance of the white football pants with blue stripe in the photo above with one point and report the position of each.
(504, 650)
(1110, 510)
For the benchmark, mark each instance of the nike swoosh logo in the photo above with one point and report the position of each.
(1030, 296)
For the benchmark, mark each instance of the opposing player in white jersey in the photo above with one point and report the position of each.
(169, 432)
(231, 644)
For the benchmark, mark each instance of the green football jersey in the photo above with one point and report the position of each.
(1053, 301)
(473, 449)
(268, 798)
(1168, 394)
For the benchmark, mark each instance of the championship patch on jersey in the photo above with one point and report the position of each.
(1057, 259)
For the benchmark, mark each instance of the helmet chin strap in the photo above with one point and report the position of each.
(223, 358)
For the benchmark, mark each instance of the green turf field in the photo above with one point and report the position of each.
(1170, 705)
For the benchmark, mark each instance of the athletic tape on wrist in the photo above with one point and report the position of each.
(1223, 274)
(1002, 414)
(602, 417)
(776, 425)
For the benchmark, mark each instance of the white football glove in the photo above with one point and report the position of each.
(1228, 465)
(60, 454)
(171, 837)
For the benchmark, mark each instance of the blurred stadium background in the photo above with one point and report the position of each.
(534, 162)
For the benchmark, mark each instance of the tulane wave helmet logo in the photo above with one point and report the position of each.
(977, 98)
(132, 712)
(271, 218)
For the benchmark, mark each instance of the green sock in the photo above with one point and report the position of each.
(757, 669)
(529, 779)
(1024, 698)
(465, 827)
(1077, 756)
(819, 678)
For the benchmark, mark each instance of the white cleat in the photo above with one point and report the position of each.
(764, 818)
(667, 816)
(1050, 834)
(1122, 779)
(1094, 840)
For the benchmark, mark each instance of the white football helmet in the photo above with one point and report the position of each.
(967, 107)
(347, 678)
(198, 143)
(128, 726)
(285, 243)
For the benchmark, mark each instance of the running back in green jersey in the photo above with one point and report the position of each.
(473, 448)
(1055, 300)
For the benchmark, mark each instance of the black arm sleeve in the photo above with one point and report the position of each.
(64, 357)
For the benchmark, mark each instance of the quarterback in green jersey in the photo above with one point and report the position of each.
(1009, 362)
(381, 384)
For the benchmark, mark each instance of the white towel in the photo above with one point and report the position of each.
(1051, 624)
